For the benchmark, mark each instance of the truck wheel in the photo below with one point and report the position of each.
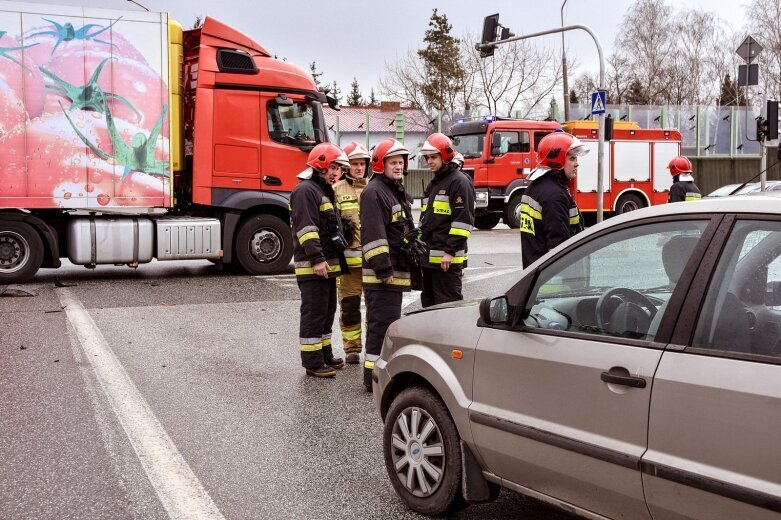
(512, 212)
(21, 252)
(264, 244)
(422, 452)
(486, 221)
(627, 203)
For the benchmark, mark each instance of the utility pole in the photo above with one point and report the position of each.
(564, 66)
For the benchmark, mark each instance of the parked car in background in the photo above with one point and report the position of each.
(751, 187)
(632, 372)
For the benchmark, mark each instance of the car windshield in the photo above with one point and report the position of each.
(470, 145)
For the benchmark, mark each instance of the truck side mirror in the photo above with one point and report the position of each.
(496, 144)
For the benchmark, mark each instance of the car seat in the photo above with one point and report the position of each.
(675, 254)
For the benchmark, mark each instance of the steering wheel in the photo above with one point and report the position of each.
(632, 313)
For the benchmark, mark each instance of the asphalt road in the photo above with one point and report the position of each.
(175, 390)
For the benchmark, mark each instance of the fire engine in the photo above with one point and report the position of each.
(502, 154)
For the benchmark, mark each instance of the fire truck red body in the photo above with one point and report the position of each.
(502, 154)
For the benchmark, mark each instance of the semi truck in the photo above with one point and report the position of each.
(502, 154)
(124, 138)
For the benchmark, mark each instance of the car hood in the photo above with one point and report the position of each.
(440, 328)
(448, 305)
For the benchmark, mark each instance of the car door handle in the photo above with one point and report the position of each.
(634, 382)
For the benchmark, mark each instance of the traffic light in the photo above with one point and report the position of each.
(608, 127)
(771, 124)
(490, 28)
(761, 128)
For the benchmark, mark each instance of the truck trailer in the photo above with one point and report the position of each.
(124, 138)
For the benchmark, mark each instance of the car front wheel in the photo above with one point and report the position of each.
(422, 452)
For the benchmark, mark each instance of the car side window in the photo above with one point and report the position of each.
(741, 312)
(615, 285)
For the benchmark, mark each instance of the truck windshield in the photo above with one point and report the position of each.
(470, 145)
(292, 125)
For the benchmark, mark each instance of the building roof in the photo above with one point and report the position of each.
(353, 119)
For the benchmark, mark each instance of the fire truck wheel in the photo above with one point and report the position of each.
(21, 252)
(512, 212)
(486, 221)
(264, 244)
(628, 202)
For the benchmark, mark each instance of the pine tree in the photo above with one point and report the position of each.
(573, 96)
(636, 95)
(372, 100)
(315, 75)
(336, 93)
(731, 94)
(355, 99)
(444, 74)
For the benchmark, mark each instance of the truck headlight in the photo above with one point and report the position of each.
(481, 198)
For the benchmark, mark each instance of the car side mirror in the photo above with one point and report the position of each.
(496, 144)
(773, 294)
(495, 311)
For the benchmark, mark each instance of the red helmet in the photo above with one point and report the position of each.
(322, 155)
(441, 144)
(384, 149)
(555, 147)
(679, 165)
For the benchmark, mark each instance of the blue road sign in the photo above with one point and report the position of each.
(598, 100)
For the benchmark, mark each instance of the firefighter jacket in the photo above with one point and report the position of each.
(549, 215)
(317, 230)
(386, 217)
(447, 216)
(684, 191)
(348, 193)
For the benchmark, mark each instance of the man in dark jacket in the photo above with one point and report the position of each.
(549, 215)
(318, 244)
(385, 220)
(447, 217)
(683, 188)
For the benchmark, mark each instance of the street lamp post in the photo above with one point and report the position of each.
(564, 66)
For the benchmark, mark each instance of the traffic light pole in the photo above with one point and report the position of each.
(602, 86)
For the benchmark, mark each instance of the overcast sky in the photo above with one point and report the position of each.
(349, 38)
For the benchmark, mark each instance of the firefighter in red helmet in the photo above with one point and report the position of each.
(549, 215)
(446, 221)
(683, 188)
(386, 218)
(350, 286)
(318, 254)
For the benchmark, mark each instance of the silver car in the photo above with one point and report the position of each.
(632, 372)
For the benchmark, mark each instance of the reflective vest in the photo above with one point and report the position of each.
(348, 192)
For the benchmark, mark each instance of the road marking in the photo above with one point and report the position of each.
(179, 490)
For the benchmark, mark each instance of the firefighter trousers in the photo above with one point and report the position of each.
(440, 286)
(318, 308)
(382, 309)
(350, 287)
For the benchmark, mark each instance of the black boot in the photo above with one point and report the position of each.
(367, 379)
(322, 371)
(330, 360)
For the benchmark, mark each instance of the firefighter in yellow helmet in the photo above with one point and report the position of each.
(350, 286)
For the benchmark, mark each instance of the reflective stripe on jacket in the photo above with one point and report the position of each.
(684, 191)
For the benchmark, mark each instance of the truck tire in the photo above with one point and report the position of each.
(627, 203)
(264, 244)
(21, 252)
(487, 221)
(512, 212)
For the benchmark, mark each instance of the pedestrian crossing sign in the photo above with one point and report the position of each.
(598, 99)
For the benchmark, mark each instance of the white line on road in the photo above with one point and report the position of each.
(180, 491)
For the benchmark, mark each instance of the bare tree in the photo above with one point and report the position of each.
(618, 78)
(763, 16)
(584, 85)
(403, 81)
(647, 43)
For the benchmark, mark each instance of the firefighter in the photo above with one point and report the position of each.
(549, 215)
(318, 246)
(446, 221)
(348, 192)
(386, 217)
(683, 188)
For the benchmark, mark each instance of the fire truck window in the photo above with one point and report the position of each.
(470, 145)
(291, 125)
(524, 145)
(537, 137)
(509, 143)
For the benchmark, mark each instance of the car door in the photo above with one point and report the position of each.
(715, 417)
(561, 400)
